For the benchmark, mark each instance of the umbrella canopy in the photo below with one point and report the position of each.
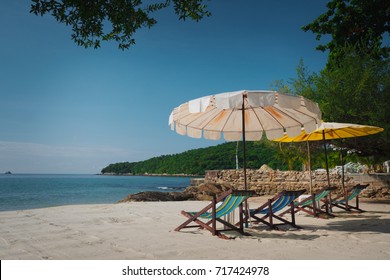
(260, 112)
(245, 115)
(329, 131)
(333, 130)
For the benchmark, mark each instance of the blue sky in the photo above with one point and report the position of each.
(66, 109)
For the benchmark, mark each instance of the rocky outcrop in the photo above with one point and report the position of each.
(156, 196)
(206, 191)
(202, 192)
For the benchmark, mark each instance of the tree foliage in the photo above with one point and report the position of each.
(355, 89)
(93, 21)
(353, 22)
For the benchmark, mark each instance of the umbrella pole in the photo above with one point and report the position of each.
(244, 158)
(327, 170)
(309, 163)
(326, 159)
(244, 147)
(342, 169)
(237, 156)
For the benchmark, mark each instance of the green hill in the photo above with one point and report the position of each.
(197, 161)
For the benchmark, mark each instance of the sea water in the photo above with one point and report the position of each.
(28, 191)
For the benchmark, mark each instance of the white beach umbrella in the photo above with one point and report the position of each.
(245, 115)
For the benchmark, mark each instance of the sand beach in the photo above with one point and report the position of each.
(144, 231)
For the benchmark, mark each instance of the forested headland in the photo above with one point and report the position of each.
(196, 161)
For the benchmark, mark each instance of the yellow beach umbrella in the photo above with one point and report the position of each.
(328, 131)
(333, 130)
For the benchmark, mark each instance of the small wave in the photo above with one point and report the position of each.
(169, 188)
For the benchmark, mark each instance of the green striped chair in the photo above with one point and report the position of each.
(208, 217)
(267, 212)
(311, 204)
(342, 200)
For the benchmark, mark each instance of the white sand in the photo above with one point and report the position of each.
(144, 230)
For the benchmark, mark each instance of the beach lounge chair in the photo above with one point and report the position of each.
(342, 200)
(208, 217)
(311, 205)
(268, 210)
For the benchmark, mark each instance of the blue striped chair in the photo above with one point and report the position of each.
(342, 200)
(268, 210)
(208, 217)
(312, 204)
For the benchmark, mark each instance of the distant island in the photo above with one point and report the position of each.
(8, 172)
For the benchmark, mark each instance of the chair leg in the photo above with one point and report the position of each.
(292, 213)
(329, 205)
(214, 218)
(346, 203)
(357, 202)
(241, 210)
(315, 209)
(270, 212)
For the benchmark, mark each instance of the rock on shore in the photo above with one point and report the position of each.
(202, 192)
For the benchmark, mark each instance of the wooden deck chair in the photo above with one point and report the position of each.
(277, 203)
(208, 217)
(311, 205)
(350, 194)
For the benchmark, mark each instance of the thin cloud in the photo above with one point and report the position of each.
(24, 157)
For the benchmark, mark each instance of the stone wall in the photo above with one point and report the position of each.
(379, 184)
(266, 181)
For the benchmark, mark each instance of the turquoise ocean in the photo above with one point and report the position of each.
(29, 191)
